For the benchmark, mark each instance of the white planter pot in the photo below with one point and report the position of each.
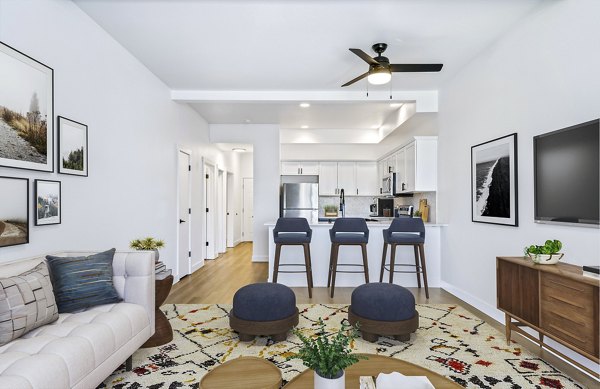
(546, 259)
(326, 383)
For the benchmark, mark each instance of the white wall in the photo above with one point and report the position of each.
(134, 132)
(541, 76)
(265, 141)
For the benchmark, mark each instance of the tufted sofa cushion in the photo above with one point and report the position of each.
(80, 350)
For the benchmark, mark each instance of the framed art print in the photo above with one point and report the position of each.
(48, 202)
(72, 147)
(14, 211)
(26, 112)
(494, 181)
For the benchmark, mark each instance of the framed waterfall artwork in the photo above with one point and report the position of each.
(26, 112)
(72, 147)
(48, 202)
(494, 182)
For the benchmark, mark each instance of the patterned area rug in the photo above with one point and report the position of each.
(450, 341)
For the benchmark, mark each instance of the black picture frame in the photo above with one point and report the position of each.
(8, 227)
(63, 123)
(494, 182)
(12, 65)
(36, 204)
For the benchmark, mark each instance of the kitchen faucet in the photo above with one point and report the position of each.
(342, 203)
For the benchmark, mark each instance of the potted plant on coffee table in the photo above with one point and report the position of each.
(148, 244)
(328, 355)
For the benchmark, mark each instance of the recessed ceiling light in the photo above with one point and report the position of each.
(305, 126)
(395, 105)
(238, 149)
(305, 105)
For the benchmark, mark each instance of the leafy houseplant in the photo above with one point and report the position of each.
(330, 210)
(148, 244)
(548, 254)
(328, 355)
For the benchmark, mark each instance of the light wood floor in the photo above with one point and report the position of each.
(219, 279)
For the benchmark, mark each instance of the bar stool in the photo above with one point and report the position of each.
(405, 231)
(293, 231)
(350, 231)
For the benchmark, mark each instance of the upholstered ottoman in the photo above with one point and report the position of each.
(383, 309)
(263, 309)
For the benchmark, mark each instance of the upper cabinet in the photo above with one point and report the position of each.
(299, 168)
(346, 178)
(416, 166)
(356, 178)
(367, 179)
(328, 179)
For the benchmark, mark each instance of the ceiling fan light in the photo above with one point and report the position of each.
(379, 76)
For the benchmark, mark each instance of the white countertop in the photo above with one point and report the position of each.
(377, 224)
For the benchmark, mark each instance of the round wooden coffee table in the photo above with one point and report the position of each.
(372, 367)
(243, 373)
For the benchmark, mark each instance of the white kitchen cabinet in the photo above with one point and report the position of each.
(347, 178)
(328, 179)
(416, 166)
(367, 179)
(299, 168)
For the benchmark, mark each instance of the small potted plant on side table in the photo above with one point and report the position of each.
(148, 244)
(548, 254)
(328, 355)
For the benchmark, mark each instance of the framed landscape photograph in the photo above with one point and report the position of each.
(494, 181)
(47, 202)
(72, 147)
(14, 211)
(26, 112)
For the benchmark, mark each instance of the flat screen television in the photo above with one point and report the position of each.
(567, 175)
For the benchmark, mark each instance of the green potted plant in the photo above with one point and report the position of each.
(548, 254)
(330, 210)
(328, 355)
(148, 244)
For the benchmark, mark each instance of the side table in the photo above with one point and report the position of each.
(163, 332)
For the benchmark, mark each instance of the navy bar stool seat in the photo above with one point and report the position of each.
(347, 231)
(405, 231)
(293, 231)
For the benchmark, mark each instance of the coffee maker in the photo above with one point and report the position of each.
(384, 207)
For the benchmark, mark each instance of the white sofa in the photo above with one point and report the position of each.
(80, 350)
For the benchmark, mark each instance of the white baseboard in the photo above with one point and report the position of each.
(260, 258)
(198, 265)
(236, 242)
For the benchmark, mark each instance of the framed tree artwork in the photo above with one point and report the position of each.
(48, 202)
(494, 182)
(14, 211)
(72, 147)
(26, 112)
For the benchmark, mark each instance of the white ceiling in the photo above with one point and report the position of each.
(230, 146)
(300, 45)
(292, 116)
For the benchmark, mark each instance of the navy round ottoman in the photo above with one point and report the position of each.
(383, 309)
(263, 309)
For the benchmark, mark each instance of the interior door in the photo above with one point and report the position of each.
(209, 196)
(220, 229)
(346, 178)
(183, 190)
(248, 209)
(230, 210)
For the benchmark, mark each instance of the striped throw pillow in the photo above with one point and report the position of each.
(26, 302)
(83, 282)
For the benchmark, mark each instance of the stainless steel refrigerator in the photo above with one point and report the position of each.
(300, 200)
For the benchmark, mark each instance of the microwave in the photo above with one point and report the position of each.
(388, 185)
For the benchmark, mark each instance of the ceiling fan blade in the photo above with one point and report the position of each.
(414, 67)
(356, 79)
(365, 57)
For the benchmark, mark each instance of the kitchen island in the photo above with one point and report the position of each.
(320, 249)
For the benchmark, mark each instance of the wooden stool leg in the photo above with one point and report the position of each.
(330, 266)
(308, 270)
(363, 247)
(279, 337)
(424, 268)
(276, 264)
(402, 338)
(369, 337)
(417, 265)
(336, 251)
(383, 257)
(245, 337)
(392, 261)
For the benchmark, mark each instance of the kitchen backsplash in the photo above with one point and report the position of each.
(358, 206)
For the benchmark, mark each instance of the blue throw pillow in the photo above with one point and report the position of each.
(83, 282)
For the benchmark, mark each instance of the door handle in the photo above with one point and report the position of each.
(181, 221)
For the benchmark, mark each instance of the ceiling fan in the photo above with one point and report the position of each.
(380, 68)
